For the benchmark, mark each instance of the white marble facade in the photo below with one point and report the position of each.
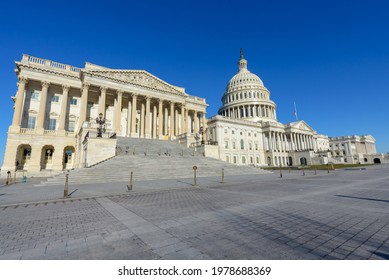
(247, 131)
(56, 104)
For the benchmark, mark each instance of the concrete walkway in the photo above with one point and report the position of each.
(342, 215)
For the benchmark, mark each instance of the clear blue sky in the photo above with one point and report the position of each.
(331, 57)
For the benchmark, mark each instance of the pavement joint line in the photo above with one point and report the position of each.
(92, 197)
(120, 194)
(151, 233)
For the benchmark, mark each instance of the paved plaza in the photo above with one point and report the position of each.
(341, 215)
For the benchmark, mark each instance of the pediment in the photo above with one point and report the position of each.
(137, 77)
(302, 125)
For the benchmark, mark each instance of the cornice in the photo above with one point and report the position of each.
(218, 118)
(44, 70)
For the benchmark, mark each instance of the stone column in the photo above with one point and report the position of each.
(183, 128)
(160, 119)
(176, 122)
(118, 111)
(196, 122)
(312, 142)
(142, 119)
(171, 119)
(154, 122)
(42, 106)
(129, 116)
(187, 122)
(296, 141)
(166, 120)
(204, 127)
(64, 105)
(19, 102)
(270, 142)
(84, 104)
(301, 142)
(133, 117)
(147, 120)
(102, 99)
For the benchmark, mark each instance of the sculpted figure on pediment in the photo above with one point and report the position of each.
(141, 79)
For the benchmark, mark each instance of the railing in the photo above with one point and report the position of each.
(24, 130)
(49, 132)
(50, 64)
(27, 131)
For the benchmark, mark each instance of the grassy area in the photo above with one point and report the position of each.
(318, 167)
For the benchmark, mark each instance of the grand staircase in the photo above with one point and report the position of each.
(149, 160)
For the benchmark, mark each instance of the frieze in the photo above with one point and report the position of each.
(140, 78)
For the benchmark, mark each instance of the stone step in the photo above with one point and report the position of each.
(151, 165)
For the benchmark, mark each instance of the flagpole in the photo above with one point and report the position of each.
(295, 111)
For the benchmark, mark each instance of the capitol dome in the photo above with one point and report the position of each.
(246, 97)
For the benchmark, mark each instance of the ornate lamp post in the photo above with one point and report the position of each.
(201, 132)
(100, 121)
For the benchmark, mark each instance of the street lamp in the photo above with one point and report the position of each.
(201, 132)
(100, 121)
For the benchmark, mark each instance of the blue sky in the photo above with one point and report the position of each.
(331, 57)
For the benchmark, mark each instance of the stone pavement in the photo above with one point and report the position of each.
(342, 215)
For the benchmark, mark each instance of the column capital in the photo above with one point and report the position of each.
(103, 88)
(23, 80)
(85, 85)
(133, 94)
(119, 92)
(65, 87)
(45, 84)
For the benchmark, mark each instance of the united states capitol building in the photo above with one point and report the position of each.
(57, 108)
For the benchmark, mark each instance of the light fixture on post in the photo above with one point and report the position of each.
(100, 121)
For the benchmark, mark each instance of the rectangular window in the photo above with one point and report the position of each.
(250, 146)
(55, 98)
(35, 95)
(256, 146)
(226, 144)
(233, 145)
(71, 125)
(31, 122)
(52, 124)
(73, 101)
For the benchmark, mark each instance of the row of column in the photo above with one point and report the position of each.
(149, 117)
(20, 95)
(302, 142)
(278, 141)
(250, 111)
(298, 141)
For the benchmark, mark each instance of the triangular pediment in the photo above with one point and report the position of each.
(301, 125)
(136, 77)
